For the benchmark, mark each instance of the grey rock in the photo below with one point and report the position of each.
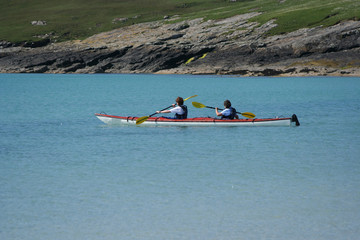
(38, 23)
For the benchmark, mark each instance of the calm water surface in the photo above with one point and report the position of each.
(65, 175)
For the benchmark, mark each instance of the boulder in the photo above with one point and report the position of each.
(38, 23)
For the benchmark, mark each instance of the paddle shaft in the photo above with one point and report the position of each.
(172, 105)
(200, 105)
(143, 119)
(161, 110)
(220, 109)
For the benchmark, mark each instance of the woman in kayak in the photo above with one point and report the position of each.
(180, 110)
(228, 113)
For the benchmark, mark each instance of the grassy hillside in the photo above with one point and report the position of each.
(77, 19)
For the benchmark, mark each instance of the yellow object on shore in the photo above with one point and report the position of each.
(193, 58)
(203, 56)
(190, 60)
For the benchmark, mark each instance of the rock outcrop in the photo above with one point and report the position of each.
(230, 46)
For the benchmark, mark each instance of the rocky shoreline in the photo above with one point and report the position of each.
(234, 46)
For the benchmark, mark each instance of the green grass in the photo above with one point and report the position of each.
(78, 19)
(296, 14)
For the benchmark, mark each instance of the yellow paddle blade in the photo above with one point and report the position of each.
(140, 120)
(248, 114)
(198, 105)
(190, 97)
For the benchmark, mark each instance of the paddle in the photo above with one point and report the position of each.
(200, 105)
(140, 120)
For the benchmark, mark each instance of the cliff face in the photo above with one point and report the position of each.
(230, 46)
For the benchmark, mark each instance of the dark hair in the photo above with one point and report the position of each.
(180, 101)
(227, 103)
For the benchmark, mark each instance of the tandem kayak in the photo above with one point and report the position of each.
(199, 121)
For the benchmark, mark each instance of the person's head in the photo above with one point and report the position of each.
(227, 104)
(180, 101)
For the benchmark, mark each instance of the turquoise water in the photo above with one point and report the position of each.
(65, 175)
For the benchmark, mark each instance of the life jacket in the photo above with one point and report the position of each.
(232, 114)
(184, 115)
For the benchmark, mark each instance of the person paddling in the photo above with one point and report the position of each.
(180, 110)
(228, 113)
